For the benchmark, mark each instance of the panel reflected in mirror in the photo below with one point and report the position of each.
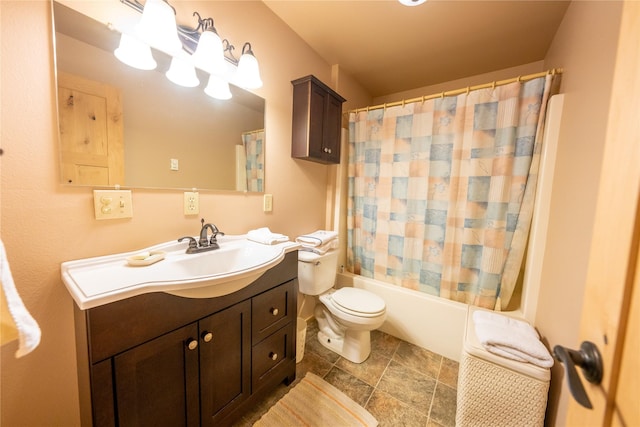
(135, 128)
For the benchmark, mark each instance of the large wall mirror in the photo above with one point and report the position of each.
(134, 128)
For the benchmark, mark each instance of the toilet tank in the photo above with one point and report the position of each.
(316, 273)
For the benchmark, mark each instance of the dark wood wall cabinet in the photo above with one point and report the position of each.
(317, 119)
(162, 360)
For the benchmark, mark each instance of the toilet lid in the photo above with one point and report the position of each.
(358, 301)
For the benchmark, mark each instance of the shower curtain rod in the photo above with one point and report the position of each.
(249, 132)
(458, 91)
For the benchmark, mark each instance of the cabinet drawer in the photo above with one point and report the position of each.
(270, 354)
(271, 310)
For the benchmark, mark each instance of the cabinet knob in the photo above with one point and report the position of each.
(207, 336)
(192, 344)
(274, 311)
(273, 356)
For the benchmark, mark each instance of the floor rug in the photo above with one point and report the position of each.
(314, 402)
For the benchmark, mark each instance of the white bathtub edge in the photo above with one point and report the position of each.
(433, 323)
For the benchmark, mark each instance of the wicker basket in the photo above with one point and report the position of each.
(494, 391)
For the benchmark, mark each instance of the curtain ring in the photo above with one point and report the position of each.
(519, 77)
(423, 99)
(493, 85)
(468, 90)
(442, 95)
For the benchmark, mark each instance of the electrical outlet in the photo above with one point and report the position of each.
(191, 203)
(112, 204)
(267, 203)
(173, 164)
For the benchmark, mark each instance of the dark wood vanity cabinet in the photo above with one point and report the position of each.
(317, 119)
(163, 360)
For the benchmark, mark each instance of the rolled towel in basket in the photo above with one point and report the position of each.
(317, 238)
(511, 338)
(265, 236)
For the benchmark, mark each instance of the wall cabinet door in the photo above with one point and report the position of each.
(225, 361)
(156, 383)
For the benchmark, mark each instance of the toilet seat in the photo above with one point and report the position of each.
(358, 302)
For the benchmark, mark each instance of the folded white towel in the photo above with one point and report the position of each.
(320, 250)
(265, 236)
(317, 238)
(28, 329)
(511, 338)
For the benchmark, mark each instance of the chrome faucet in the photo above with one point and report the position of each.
(204, 243)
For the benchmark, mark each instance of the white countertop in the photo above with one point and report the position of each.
(101, 280)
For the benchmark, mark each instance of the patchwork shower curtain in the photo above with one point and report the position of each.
(253, 143)
(441, 191)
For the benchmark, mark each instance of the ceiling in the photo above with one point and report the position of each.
(390, 48)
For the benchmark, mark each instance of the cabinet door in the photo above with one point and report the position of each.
(317, 111)
(156, 383)
(332, 123)
(225, 361)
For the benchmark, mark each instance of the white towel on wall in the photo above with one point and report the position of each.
(28, 329)
(317, 238)
(266, 237)
(511, 338)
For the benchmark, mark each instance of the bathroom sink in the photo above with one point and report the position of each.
(167, 268)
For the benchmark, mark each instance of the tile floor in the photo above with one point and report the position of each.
(400, 384)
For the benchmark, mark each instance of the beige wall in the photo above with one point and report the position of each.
(44, 223)
(587, 56)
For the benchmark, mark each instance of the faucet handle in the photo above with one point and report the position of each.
(192, 242)
(214, 236)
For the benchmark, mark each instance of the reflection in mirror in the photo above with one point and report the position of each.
(123, 126)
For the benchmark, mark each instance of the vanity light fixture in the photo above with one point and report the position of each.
(412, 2)
(158, 27)
(135, 53)
(209, 54)
(199, 47)
(217, 88)
(182, 72)
(248, 73)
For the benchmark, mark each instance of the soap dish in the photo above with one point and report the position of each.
(145, 258)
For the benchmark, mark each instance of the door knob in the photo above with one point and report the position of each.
(589, 359)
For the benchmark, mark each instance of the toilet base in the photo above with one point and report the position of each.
(354, 346)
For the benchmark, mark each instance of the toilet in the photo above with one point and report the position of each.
(345, 316)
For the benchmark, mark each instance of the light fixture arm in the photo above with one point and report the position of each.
(190, 36)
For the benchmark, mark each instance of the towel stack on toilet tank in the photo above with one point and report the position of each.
(319, 242)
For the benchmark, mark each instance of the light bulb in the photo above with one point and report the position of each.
(135, 53)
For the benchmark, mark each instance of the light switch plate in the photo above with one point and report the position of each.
(191, 203)
(267, 205)
(112, 204)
